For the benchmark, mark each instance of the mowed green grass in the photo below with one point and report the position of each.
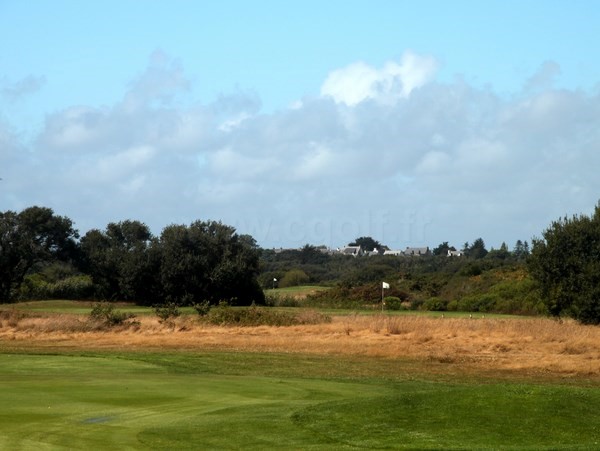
(278, 401)
(81, 307)
(85, 307)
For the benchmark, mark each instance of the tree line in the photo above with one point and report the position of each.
(43, 256)
(314, 265)
(185, 264)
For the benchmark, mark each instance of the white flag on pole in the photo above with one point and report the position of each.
(385, 285)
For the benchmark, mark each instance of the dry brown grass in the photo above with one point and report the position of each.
(528, 345)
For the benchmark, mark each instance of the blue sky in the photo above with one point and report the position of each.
(304, 122)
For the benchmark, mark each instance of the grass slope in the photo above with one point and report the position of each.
(276, 401)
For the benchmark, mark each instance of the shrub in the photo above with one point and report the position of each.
(472, 269)
(105, 313)
(479, 303)
(282, 301)
(224, 315)
(294, 277)
(416, 303)
(202, 308)
(393, 303)
(435, 305)
(167, 311)
(35, 286)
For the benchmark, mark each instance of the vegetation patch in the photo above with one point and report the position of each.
(224, 315)
(105, 313)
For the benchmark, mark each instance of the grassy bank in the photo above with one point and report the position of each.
(276, 401)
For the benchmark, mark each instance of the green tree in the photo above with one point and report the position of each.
(294, 277)
(443, 249)
(123, 261)
(499, 254)
(208, 261)
(565, 263)
(312, 255)
(367, 243)
(477, 250)
(32, 237)
(521, 250)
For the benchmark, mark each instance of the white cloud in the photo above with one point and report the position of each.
(228, 164)
(379, 157)
(75, 127)
(122, 164)
(359, 81)
(318, 162)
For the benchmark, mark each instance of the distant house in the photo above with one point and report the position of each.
(374, 252)
(455, 253)
(416, 251)
(394, 252)
(281, 249)
(354, 251)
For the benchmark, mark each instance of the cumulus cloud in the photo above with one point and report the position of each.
(359, 81)
(386, 152)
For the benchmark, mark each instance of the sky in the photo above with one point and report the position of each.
(304, 122)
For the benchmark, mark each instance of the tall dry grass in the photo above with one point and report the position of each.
(520, 344)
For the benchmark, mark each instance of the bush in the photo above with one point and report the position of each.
(104, 312)
(294, 277)
(470, 270)
(416, 303)
(282, 301)
(224, 315)
(484, 303)
(202, 308)
(35, 286)
(392, 303)
(435, 305)
(167, 311)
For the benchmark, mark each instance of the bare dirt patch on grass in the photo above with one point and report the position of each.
(527, 345)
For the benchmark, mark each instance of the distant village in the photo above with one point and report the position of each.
(358, 251)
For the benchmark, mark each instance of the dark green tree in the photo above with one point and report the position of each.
(566, 265)
(123, 261)
(367, 243)
(443, 249)
(521, 250)
(499, 254)
(35, 236)
(208, 261)
(311, 255)
(477, 250)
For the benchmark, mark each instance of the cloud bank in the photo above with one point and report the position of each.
(388, 152)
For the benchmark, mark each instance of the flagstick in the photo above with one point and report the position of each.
(382, 297)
